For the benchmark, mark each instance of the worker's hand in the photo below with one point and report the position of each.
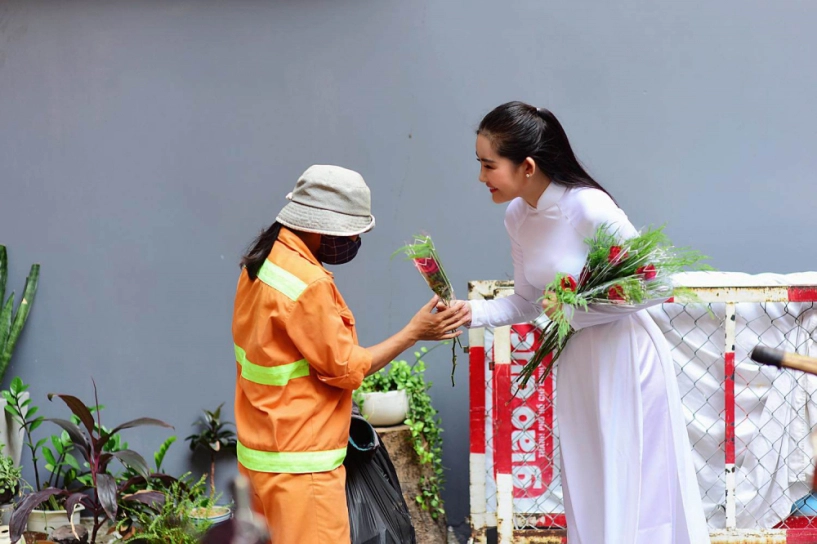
(429, 324)
(549, 303)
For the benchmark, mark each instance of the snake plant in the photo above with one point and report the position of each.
(11, 321)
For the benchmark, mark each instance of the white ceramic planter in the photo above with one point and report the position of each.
(5, 537)
(5, 514)
(45, 521)
(218, 514)
(383, 409)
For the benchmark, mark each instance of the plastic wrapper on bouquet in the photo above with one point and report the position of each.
(619, 275)
(424, 255)
(425, 258)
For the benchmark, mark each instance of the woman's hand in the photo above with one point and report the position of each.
(428, 324)
(549, 303)
(443, 306)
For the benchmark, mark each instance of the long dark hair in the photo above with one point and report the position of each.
(518, 131)
(259, 250)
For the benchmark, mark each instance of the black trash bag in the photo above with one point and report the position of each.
(377, 512)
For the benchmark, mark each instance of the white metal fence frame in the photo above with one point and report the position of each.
(499, 433)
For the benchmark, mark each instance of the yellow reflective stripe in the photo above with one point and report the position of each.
(291, 462)
(270, 375)
(281, 280)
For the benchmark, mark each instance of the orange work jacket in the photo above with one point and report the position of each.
(297, 360)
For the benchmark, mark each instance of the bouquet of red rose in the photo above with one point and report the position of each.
(627, 272)
(424, 255)
(427, 262)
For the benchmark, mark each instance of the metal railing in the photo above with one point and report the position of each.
(741, 417)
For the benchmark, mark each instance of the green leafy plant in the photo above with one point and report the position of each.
(12, 322)
(99, 491)
(131, 482)
(422, 420)
(170, 521)
(159, 455)
(23, 413)
(213, 437)
(64, 468)
(60, 462)
(11, 477)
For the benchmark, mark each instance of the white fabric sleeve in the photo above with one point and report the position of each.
(520, 307)
(593, 208)
(600, 314)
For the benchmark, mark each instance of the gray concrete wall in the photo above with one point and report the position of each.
(143, 144)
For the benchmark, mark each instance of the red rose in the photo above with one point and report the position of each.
(616, 255)
(427, 266)
(568, 283)
(584, 276)
(616, 294)
(647, 272)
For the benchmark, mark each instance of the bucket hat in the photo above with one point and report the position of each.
(329, 200)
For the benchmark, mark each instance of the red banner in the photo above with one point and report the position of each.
(532, 417)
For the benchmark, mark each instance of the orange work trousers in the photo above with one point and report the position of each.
(302, 508)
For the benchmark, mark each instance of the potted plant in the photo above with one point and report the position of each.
(11, 326)
(171, 520)
(129, 483)
(65, 473)
(421, 419)
(51, 513)
(215, 438)
(383, 408)
(11, 477)
(383, 399)
(96, 489)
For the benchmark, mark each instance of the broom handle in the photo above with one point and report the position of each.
(783, 359)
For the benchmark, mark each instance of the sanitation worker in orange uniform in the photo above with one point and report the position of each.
(298, 358)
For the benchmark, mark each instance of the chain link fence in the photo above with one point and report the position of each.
(749, 425)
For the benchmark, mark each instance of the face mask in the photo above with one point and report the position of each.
(338, 249)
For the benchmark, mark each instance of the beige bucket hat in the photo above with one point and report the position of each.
(329, 200)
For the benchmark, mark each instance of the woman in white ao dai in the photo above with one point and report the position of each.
(627, 473)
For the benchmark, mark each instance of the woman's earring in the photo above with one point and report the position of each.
(527, 175)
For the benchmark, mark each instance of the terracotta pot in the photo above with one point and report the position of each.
(32, 537)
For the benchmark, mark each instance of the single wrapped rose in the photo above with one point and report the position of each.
(427, 262)
(616, 255)
(616, 294)
(569, 283)
(584, 276)
(427, 266)
(647, 272)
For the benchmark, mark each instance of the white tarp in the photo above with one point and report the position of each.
(775, 410)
